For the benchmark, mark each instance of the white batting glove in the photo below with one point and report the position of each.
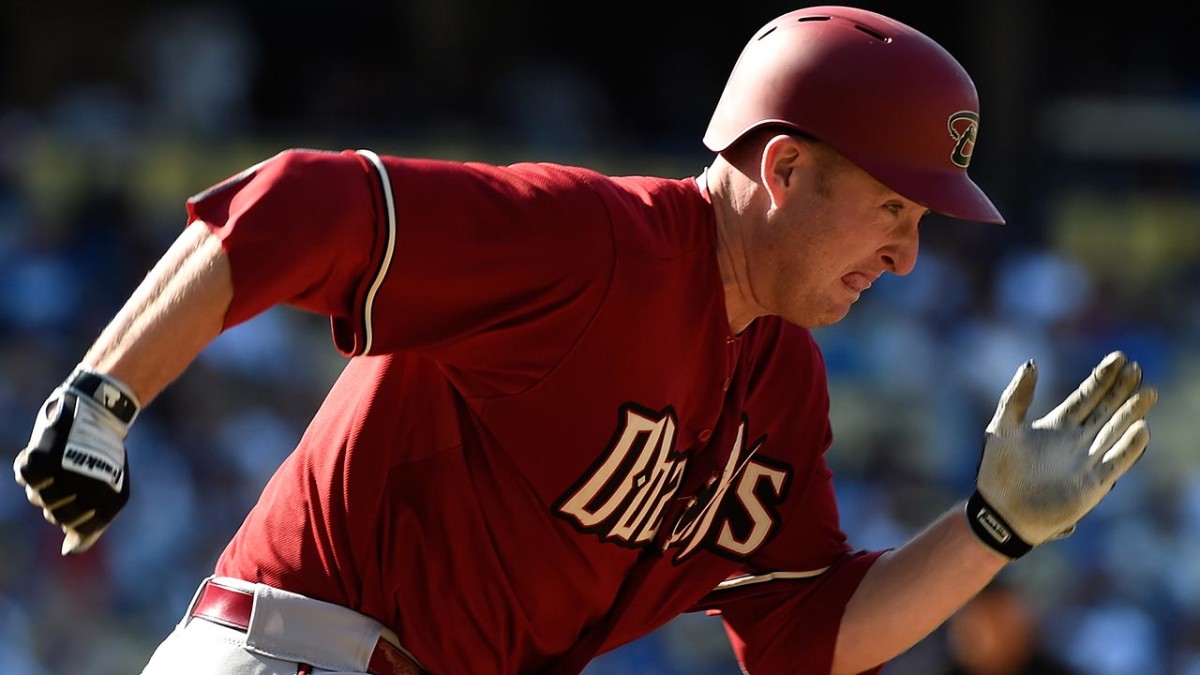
(1037, 480)
(74, 467)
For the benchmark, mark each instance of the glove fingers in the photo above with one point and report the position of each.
(36, 494)
(33, 468)
(1080, 404)
(71, 514)
(68, 515)
(1110, 441)
(1016, 399)
(19, 467)
(78, 542)
(50, 494)
(1128, 381)
(54, 491)
(1124, 454)
(50, 498)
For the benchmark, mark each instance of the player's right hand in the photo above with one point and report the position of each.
(1037, 479)
(74, 467)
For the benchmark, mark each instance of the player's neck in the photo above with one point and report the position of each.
(729, 201)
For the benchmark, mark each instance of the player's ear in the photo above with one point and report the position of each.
(786, 159)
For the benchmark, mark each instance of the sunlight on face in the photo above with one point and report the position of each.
(831, 235)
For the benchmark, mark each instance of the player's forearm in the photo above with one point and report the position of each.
(911, 591)
(174, 313)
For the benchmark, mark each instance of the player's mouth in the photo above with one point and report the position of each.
(857, 282)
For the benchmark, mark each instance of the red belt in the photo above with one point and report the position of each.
(231, 607)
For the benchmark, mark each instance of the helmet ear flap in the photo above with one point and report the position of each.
(881, 93)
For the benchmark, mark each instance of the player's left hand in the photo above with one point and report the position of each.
(1037, 479)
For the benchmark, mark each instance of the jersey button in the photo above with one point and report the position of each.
(705, 435)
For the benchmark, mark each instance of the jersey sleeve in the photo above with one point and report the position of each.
(783, 625)
(782, 614)
(298, 228)
(490, 270)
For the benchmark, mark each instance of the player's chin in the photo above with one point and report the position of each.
(826, 316)
(833, 317)
(840, 307)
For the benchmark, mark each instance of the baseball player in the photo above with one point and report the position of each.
(578, 405)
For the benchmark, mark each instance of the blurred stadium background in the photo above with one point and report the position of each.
(112, 114)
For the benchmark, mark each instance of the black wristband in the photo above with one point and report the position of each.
(106, 392)
(993, 530)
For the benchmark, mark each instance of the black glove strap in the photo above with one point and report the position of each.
(993, 530)
(104, 391)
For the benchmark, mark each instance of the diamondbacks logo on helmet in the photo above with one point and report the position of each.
(963, 126)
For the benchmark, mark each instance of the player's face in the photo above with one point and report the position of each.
(831, 233)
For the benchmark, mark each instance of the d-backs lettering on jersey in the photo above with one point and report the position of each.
(623, 498)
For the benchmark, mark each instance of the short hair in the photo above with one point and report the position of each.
(748, 150)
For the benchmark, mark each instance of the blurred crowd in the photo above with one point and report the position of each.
(1102, 253)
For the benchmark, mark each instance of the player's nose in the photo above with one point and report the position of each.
(899, 256)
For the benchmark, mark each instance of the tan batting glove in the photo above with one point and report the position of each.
(1037, 479)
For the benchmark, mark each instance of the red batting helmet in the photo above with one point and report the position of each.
(879, 92)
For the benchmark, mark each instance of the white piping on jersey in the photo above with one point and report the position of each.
(385, 182)
(749, 579)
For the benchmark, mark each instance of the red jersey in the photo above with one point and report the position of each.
(547, 443)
